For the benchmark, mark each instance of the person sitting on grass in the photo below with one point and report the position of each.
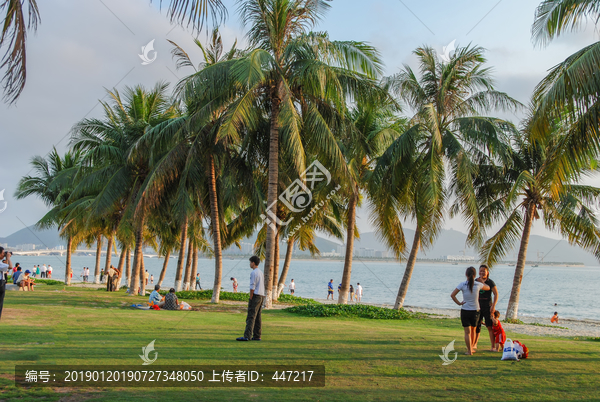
(554, 319)
(171, 302)
(25, 282)
(155, 297)
(499, 334)
(16, 275)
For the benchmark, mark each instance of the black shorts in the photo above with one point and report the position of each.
(484, 313)
(469, 318)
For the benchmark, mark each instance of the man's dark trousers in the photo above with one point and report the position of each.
(2, 291)
(254, 320)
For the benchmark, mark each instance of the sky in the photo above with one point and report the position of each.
(83, 48)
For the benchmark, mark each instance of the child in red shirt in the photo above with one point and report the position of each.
(499, 334)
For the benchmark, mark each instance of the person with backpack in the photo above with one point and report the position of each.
(469, 312)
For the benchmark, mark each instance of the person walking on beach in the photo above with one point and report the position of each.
(44, 271)
(49, 272)
(151, 278)
(197, 282)
(359, 292)
(330, 289)
(469, 312)
(146, 276)
(487, 304)
(292, 287)
(4, 267)
(351, 290)
(257, 294)
(235, 284)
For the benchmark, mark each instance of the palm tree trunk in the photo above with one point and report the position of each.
(120, 266)
(272, 190)
(98, 257)
(194, 268)
(137, 257)
(410, 266)
(128, 267)
(343, 296)
(188, 265)
(142, 280)
(163, 272)
(276, 267)
(109, 252)
(179, 272)
(68, 270)
(286, 266)
(513, 302)
(216, 231)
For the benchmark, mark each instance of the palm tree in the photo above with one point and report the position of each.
(372, 127)
(447, 136)
(539, 180)
(52, 183)
(571, 90)
(297, 77)
(118, 166)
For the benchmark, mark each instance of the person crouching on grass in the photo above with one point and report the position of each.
(257, 295)
(469, 312)
(499, 334)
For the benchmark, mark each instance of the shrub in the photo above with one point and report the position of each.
(515, 321)
(240, 296)
(354, 310)
(49, 281)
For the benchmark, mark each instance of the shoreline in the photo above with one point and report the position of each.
(532, 325)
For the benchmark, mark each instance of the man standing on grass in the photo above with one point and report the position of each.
(4, 267)
(487, 305)
(257, 295)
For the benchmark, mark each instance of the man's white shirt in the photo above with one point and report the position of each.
(257, 282)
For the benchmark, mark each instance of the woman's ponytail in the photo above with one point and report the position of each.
(471, 273)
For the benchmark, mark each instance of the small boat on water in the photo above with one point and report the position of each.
(511, 265)
(535, 265)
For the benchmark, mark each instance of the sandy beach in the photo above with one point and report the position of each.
(575, 328)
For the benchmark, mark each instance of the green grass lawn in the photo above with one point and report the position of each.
(365, 359)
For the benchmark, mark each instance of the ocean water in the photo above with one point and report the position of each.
(574, 289)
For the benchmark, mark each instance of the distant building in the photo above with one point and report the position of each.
(381, 254)
(25, 247)
(454, 258)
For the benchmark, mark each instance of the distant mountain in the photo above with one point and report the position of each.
(449, 242)
(452, 242)
(41, 238)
